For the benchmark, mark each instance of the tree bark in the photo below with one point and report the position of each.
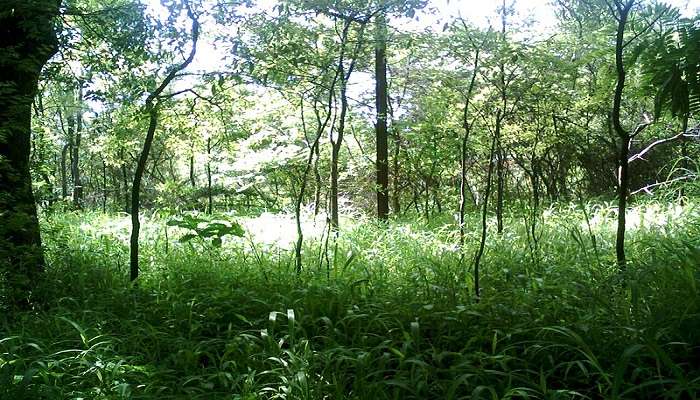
(500, 178)
(337, 141)
(104, 186)
(64, 173)
(27, 41)
(685, 163)
(193, 183)
(75, 156)
(395, 173)
(382, 162)
(125, 180)
(210, 196)
(623, 135)
(463, 184)
(152, 109)
(484, 214)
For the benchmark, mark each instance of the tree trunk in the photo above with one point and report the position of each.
(192, 181)
(75, 156)
(136, 194)
(463, 184)
(125, 179)
(210, 196)
(104, 186)
(396, 182)
(500, 178)
(317, 179)
(64, 173)
(382, 162)
(623, 136)
(500, 169)
(27, 41)
(685, 163)
(484, 215)
(313, 151)
(337, 141)
(152, 110)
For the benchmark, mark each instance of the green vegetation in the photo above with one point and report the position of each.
(395, 319)
(349, 199)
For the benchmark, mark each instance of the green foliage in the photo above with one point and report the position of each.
(395, 319)
(206, 229)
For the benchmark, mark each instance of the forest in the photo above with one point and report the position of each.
(349, 199)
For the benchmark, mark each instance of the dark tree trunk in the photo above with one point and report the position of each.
(500, 178)
(75, 156)
(27, 41)
(623, 135)
(210, 195)
(463, 184)
(64, 173)
(317, 179)
(500, 168)
(125, 179)
(152, 110)
(313, 151)
(484, 213)
(396, 182)
(337, 141)
(382, 162)
(104, 186)
(685, 160)
(192, 181)
(136, 193)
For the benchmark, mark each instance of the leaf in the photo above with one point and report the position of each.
(186, 238)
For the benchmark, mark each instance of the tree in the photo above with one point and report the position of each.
(27, 41)
(621, 12)
(151, 108)
(382, 162)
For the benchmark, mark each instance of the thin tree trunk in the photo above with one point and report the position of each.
(463, 185)
(317, 180)
(75, 156)
(395, 174)
(210, 196)
(304, 179)
(64, 173)
(484, 214)
(192, 181)
(125, 179)
(104, 186)
(500, 177)
(685, 163)
(152, 110)
(500, 169)
(136, 194)
(623, 136)
(337, 141)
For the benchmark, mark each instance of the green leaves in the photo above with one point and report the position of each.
(206, 229)
(671, 67)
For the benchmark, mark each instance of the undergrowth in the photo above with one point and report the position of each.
(389, 314)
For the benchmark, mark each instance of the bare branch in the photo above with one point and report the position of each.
(659, 142)
(647, 189)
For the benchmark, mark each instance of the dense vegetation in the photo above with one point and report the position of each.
(356, 199)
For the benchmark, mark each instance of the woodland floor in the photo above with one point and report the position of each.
(392, 318)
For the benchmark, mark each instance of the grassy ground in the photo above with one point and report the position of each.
(392, 318)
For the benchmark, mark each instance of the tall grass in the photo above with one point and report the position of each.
(394, 318)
